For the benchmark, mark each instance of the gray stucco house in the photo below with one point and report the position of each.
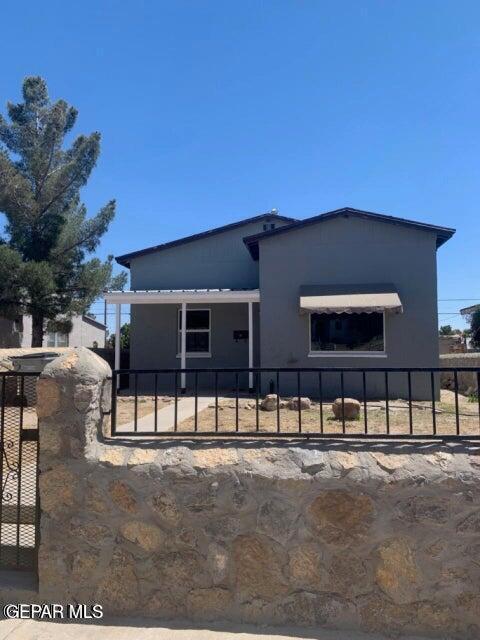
(85, 332)
(347, 288)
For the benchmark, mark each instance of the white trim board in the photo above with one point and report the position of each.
(178, 297)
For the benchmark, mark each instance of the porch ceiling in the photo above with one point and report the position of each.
(183, 295)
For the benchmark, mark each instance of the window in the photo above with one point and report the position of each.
(345, 332)
(57, 339)
(269, 226)
(197, 332)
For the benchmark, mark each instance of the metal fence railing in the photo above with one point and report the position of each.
(19, 510)
(369, 402)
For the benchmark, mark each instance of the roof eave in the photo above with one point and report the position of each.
(443, 233)
(126, 258)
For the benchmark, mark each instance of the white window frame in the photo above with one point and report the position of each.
(195, 354)
(56, 334)
(346, 354)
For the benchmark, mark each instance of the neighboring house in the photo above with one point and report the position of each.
(452, 344)
(347, 288)
(468, 312)
(86, 332)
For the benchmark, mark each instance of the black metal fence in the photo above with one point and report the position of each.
(373, 403)
(19, 512)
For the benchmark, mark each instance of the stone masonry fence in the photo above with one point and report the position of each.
(360, 536)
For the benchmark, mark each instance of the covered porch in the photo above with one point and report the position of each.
(187, 325)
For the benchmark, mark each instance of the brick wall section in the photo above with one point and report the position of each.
(364, 537)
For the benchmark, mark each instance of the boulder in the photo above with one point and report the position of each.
(305, 403)
(269, 403)
(351, 409)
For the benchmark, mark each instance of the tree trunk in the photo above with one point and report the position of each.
(37, 330)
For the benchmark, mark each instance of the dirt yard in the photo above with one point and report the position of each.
(399, 418)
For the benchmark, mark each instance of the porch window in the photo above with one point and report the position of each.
(197, 332)
(347, 332)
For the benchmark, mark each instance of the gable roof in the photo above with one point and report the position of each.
(466, 311)
(94, 322)
(443, 233)
(124, 260)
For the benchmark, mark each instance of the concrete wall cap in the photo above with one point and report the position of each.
(78, 363)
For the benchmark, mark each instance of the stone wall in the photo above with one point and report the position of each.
(451, 344)
(353, 536)
(467, 381)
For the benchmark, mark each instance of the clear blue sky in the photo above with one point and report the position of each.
(211, 111)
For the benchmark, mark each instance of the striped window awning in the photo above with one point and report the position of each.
(373, 298)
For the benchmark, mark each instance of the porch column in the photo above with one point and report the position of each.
(250, 345)
(183, 346)
(118, 310)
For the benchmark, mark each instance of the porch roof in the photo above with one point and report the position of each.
(178, 296)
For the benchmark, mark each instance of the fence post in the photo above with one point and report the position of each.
(73, 393)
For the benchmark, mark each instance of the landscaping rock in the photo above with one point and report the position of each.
(351, 409)
(269, 403)
(305, 403)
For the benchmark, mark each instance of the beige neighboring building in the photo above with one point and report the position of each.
(451, 344)
(86, 332)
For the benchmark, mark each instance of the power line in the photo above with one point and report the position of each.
(458, 299)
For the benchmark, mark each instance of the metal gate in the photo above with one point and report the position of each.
(19, 511)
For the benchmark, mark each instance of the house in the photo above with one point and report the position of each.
(468, 311)
(347, 288)
(86, 332)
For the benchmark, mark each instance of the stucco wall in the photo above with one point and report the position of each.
(83, 333)
(467, 380)
(9, 338)
(353, 537)
(219, 261)
(351, 251)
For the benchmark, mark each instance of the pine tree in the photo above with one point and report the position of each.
(43, 267)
